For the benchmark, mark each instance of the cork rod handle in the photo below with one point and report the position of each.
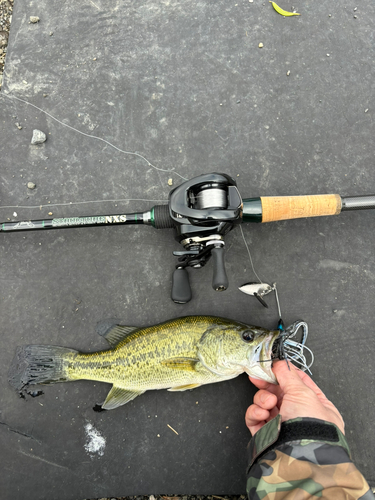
(276, 208)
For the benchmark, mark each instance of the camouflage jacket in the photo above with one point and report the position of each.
(303, 459)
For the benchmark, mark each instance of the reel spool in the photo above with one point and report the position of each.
(210, 196)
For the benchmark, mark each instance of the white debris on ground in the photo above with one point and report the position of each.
(96, 443)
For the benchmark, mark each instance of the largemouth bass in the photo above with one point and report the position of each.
(177, 355)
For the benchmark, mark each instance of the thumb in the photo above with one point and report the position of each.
(287, 376)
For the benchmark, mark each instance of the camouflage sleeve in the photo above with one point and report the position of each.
(303, 458)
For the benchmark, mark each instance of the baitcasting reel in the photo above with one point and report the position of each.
(203, 209)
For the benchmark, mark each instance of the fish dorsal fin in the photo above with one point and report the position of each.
(183, 387)
(181, 363)
(113, 332)
(118, 397)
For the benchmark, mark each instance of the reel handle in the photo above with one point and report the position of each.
(181, 291)
(220, 279)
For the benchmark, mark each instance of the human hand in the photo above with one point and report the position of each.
(295, 396)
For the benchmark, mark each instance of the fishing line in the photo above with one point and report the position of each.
(250, 257)
(274, 288)
(92, 136)
(72, 203)
(291, 350)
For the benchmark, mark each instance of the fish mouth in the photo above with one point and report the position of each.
(281, 344)
(271, 347)
(263, 357)
(276, 348)
(286, 346)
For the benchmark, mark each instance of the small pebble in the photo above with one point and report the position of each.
(51, 213)
(38, 137)
(15, 214)
(34, 19)
(261, 45)
(18, 126)
(170, 182)
(366, 110)
(31, 185)
(288, 72)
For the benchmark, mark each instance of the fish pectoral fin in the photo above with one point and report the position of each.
(118, 397)
(184, 387)
(112, 332)
(181, 363)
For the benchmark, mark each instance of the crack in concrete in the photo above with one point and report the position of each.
(44, 460)
(11, 429)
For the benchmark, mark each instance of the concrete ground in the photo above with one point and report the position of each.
(283, 105)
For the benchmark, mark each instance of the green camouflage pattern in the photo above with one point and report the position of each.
(302, 469)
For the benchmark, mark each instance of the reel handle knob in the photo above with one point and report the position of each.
(181, 291)
(220, 279)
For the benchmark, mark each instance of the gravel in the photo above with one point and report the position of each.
(6, 9)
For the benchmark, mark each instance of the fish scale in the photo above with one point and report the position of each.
(176, 355)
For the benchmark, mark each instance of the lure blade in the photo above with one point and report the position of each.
(258, 290)
(283, 12)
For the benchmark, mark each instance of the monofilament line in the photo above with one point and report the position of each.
(72, 203)
(92, 136)
(250, 257)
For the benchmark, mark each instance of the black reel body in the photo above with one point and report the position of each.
(204, 209)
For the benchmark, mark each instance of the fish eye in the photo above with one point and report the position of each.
(248, 335)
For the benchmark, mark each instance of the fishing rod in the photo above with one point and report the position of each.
(202, 211)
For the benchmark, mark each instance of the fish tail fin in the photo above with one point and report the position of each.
(39, 364)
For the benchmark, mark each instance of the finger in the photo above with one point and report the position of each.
(273, 413)
(307, 380)
(293, 373)
(255, 414)
(255, 428)
(260, 384)
(255, 418)
(265, 399)
(288, 376)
